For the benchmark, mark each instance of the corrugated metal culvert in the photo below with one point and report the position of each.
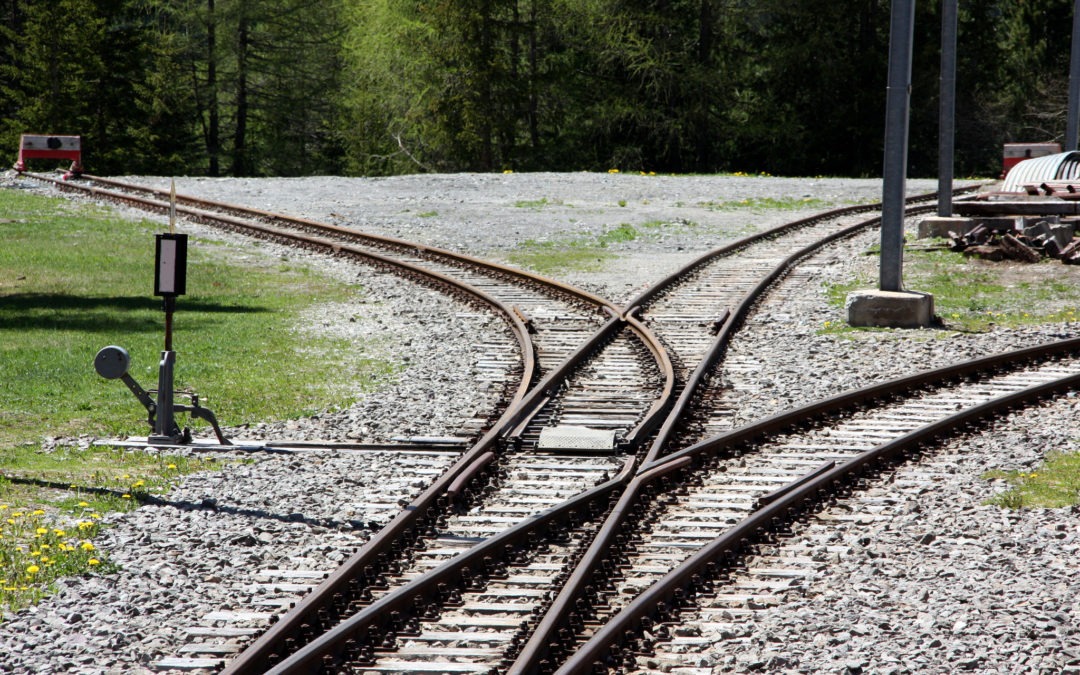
(1062, 166)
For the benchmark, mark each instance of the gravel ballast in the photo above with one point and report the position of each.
(990, 591)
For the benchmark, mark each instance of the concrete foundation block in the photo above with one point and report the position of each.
(890, 309)
(940, 226)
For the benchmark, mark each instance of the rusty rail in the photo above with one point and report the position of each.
(535, 649)
(328, 647)
(256, 658)
(325, 228)
(593, 653)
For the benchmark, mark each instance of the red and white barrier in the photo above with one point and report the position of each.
(51, 147)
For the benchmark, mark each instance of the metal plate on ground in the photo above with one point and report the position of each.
(577, 439)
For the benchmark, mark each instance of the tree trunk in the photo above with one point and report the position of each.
(213, 134)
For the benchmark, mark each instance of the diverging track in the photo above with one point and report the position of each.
(687, 520)
(527, 557)
(592, 367)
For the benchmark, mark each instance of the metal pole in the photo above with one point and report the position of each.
(169, 304)
(166, 418)
(901, 37)
(947, 116)
(1074, 83)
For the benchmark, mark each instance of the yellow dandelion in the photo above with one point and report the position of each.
(93, 561)
(126, 476)
(42, 530)
(171, 466)
(59, 533)
(85, 525)
(86, 546)
(125, 496)
(33, 569)
(38, 512)
(11, 521)
(84, 504)
(95, 516)
(613, 171)
(18, 514)
(138, 484)
(3, 507)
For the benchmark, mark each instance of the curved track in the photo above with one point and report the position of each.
(587, 365)
(515, 587)
(739, 487)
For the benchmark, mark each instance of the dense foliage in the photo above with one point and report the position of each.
(293, 87)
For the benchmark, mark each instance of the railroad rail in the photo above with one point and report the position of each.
(415, 644)
(466, 614)
(637, 382)
(687, 532)
(682, 304)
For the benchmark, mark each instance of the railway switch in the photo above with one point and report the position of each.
(170, 280)
(112, 363)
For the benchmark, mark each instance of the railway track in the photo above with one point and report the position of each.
(495, 577)
(692, 523)
(385, 654)
(590, 370)
(688, 531)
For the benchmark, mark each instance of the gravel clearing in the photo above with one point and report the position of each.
(990, 591)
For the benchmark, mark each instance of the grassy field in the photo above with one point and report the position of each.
(75, 278)
(972, 295)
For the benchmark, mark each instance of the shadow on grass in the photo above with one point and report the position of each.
(210, 505)
(28, 311)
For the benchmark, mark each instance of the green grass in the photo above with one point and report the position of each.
(75, 278)
(973, 295)
(759, 204)
(51, 506)
(571, 253)
(1053, 485)
(587, 253)
(537, 204)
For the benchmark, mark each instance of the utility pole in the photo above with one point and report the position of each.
(897, 114)
(890, 305)
(947, 113)
(1072, 122)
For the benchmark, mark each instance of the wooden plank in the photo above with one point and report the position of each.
(451, 636)
(202, 648)
(1041, 207)
(219, 631)
(179, 663)
(426, 667)
(237, 616)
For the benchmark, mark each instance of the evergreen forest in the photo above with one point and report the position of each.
(382, 87)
